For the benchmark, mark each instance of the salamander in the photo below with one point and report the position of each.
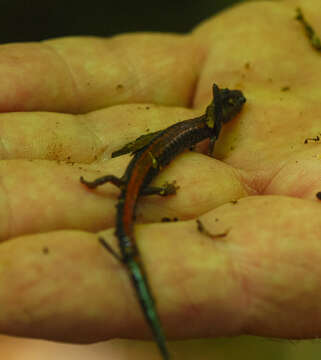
(151, 153)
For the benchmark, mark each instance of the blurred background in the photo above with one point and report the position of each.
(34, 20)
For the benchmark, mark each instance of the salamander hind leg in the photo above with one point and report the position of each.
(103, 180)
(169, 188)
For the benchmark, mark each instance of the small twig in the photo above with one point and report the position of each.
(315, 139)
(201, 228)
(314, 39)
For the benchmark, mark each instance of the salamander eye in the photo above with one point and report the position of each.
(231, 101)
(232, 104)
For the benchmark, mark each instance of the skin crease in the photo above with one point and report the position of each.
(79, 99)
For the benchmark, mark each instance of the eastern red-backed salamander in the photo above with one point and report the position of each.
(151, 153)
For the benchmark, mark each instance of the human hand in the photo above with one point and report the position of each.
(56, 280)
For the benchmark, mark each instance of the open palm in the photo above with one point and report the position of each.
(67, 104)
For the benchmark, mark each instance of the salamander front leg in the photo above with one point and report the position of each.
(102, 180)
(136, 145)
(211, 146)
(167, 189)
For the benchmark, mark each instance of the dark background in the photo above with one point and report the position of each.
(32, 20)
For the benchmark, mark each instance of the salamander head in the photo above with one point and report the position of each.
(225, 105)
(232, 102)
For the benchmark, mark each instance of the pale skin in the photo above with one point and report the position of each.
(80, 99)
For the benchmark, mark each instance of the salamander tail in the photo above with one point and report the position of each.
(147, 302)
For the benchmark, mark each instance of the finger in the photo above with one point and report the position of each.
(243, 283)
(39, 196)
(82, 138)
(80, 74)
